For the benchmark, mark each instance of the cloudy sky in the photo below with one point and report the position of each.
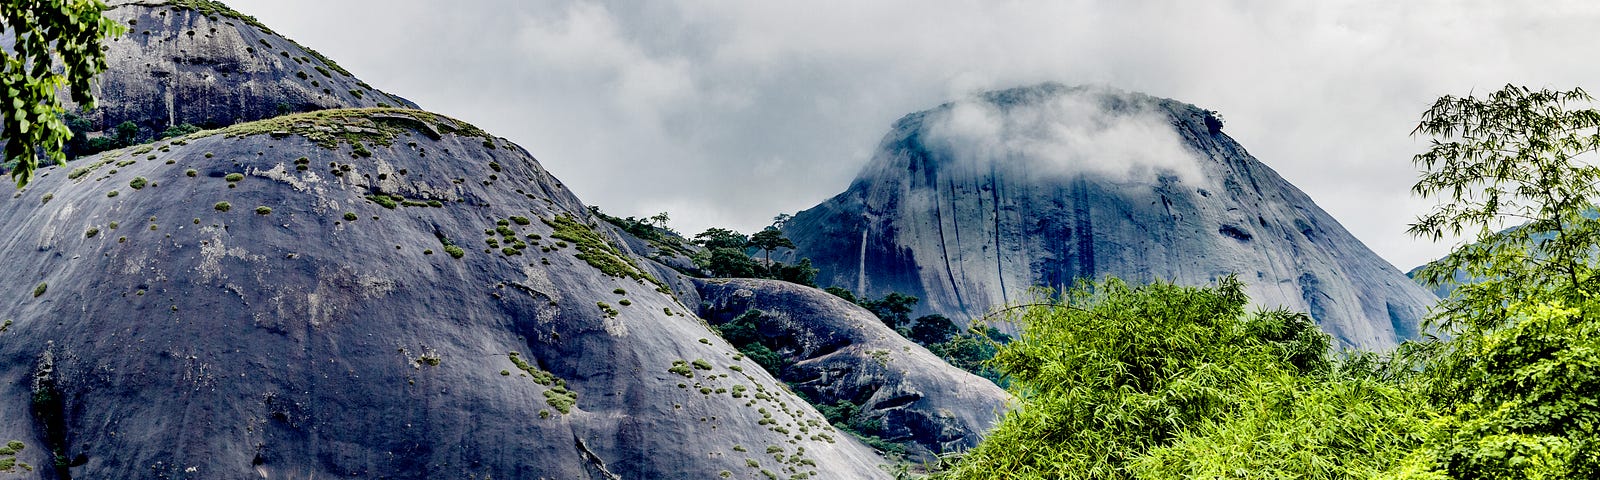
(727, 112)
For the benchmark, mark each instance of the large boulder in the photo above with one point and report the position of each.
(376, 293)
(837, 352)
(202, 63)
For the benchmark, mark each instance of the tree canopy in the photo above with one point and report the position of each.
(1162, 381)
(57, 43)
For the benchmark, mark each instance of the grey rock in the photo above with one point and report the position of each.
(972, 204)
(189, 342)
(842, 352)
(212, 69)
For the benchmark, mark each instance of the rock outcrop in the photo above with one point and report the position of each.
(839, 352)
(202, 63)
(972, 204)
(376, 293)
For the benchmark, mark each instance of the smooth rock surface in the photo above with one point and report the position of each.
(180, 65)
(172, 339)
(842, 352)
(972, 204)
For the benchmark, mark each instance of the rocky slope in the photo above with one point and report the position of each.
(972, 204)
(840, 352)
(283, 299)
(202, 63)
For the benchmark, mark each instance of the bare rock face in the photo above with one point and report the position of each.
(972, 204)
(841, 352)
(377, 293)
(199, 62)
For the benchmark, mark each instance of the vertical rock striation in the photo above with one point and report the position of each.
(972, 204)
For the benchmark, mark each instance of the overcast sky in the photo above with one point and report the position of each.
(729, 112)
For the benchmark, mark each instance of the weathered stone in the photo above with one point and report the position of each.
(841, 352)
(179, 65)
(972, 204)
(299, 342)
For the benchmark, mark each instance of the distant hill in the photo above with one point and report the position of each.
(971, 204)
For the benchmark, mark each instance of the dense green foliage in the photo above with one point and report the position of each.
(1519, 377)
(724, 253)
(745, 333)
(55, 44)
(1162, 381)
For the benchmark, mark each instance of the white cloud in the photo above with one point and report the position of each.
(1067, 135)
(643, 106)
(585, 40)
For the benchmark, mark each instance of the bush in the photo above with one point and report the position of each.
(263, 211)
(383, 201)
(127, 133)
(350, 216)
(1164, 381)
(681, 367)
(222, 206)
(138, 183)
(179, 130)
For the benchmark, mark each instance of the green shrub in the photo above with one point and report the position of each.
(383, 201)
(561, 399)
(191, 172)
(222, 206)
(454, 251)
(350, 216)
(92, 232)
(234, 177)
(681, 367)
(39, 290)
(539, 375)
(111, 194)
(179, 130)
(263, 211)
(595, 250)
(137, 183)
